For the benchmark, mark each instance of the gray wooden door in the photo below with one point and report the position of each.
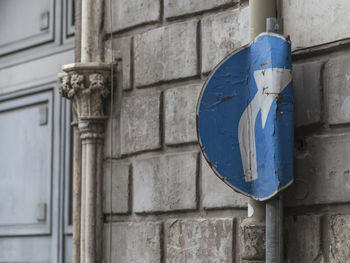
(36, 39)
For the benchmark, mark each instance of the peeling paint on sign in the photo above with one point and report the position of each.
(245, 118)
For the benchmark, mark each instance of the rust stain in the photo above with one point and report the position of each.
(217, 99)
(210, 164)
(207, 101)
(225, 98)
(279, 98)
(265, 64)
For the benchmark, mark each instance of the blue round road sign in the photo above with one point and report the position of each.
(245, 118)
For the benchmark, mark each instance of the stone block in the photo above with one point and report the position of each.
(339, 238)
(121, 51)
(180, 114)
(112, 136)
(215, 193)
(307, 86)
(337, 82)
(140, 127)
(166, 53)
(199, 240)
(128, 13)
(222, 33)
(307, 21)
(165, 183)
(174, 8)
(134, 242)
(120, 187)
(303, 239)
(322, 171)
(252, 237)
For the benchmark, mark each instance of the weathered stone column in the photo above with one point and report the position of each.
(86, 84)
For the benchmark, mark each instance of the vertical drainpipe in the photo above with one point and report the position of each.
(92, 143)
(260, 10)
(86, 84)
(91, 30)
(77, 33)
(76, 149)
(76, 189)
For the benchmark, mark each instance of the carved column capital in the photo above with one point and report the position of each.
(87, 85)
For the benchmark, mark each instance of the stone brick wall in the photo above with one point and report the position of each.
(167, 206)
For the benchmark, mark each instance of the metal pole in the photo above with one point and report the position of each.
(274, 230)
(274, 206)
(260, 10)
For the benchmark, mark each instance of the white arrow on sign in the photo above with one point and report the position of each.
(270, 82)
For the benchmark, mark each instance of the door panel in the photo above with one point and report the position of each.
(25, 249)
(34, 133)
(25, 23)
(26, 170)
